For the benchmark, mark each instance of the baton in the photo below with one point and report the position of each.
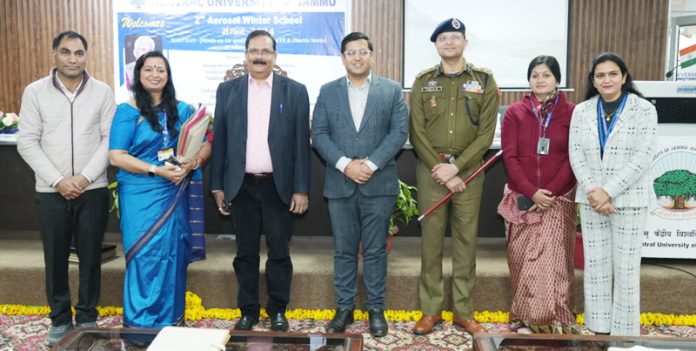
(466, 181)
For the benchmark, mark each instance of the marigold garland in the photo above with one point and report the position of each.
(195, 311)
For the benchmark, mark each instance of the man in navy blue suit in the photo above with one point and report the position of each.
(260, 174)
(360, 123)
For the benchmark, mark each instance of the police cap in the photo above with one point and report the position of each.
(449, 25)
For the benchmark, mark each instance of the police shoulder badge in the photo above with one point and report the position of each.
(426, 71)
(482, 69)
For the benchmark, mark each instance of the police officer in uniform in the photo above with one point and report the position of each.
(453, 117)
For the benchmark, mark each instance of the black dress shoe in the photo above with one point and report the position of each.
(279, 322)
(246, 322)
(378, 324)
(340, 321)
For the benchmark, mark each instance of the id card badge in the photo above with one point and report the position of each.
(543, 146)
(163, 155)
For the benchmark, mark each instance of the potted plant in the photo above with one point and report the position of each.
(9, 123)
(405, 208)
(113, 186)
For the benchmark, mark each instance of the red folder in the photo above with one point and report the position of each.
(192, 135)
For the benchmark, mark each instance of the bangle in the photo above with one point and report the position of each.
(198, 163)
(152, 171)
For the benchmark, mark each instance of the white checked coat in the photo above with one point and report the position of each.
(612, 243)
(628, 154)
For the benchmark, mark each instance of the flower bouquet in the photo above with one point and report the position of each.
(9, 123)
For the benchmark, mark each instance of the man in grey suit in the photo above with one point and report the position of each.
(360, 122)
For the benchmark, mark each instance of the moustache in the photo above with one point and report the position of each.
(259, 62)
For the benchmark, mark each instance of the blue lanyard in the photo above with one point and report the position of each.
(602, 127)
(548, 118)
(165, 130)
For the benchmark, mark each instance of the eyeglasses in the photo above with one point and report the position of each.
(257, 52)
(353, 53)
(602, 75)
(454, 38)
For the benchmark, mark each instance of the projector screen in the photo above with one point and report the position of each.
(504, 35)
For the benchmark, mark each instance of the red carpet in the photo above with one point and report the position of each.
(27, 333)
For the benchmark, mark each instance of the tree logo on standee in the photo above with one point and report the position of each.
(674, 182)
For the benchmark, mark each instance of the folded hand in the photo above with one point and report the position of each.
(455, 185)
(357, 171)
(172, 173)
(443, 172)
(71, 187)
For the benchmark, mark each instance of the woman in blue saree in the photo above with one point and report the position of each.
(154, 196)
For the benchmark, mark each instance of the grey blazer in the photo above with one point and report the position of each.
(628, 154)
(382, 133)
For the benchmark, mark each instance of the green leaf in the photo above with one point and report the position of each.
(406, 206)
(114, 194)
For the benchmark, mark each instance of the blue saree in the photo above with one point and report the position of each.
(157, 237)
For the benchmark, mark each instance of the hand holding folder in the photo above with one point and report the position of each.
(192, 135)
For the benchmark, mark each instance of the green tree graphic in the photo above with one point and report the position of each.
(679, 184)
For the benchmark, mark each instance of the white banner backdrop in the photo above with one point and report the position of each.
(504, 35)
(202, 39)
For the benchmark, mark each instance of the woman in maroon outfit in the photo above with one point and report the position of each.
(538, 204)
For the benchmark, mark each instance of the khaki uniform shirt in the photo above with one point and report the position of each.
(453, 114)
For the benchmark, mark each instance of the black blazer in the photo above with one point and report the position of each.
(288, 137)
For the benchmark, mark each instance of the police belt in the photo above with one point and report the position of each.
(449, 158)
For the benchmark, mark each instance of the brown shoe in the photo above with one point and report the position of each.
(426, 324)
(471, 326)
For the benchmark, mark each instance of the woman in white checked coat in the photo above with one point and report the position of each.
(611, 146)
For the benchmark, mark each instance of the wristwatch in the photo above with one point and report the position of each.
(151, 171)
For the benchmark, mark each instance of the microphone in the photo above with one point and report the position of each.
(670, 73)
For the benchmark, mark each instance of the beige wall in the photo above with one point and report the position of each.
(636, 29)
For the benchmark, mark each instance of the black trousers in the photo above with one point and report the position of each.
(84, 220)
(258, 207)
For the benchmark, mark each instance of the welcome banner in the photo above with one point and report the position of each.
(204, 38)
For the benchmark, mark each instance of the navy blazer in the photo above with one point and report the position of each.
(382, 133)
(288, 137)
